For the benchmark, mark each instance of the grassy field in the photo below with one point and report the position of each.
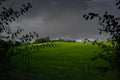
(65, 61)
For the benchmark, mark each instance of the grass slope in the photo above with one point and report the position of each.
(66, 61)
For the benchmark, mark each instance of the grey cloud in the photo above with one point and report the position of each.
(56, 18)
(50, 6)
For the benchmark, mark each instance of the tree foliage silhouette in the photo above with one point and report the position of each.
(110, 25)
(8, 38)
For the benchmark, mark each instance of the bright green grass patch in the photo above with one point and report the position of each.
(65, 61)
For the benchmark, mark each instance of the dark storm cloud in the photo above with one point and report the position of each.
(63, 18)
(52, 6)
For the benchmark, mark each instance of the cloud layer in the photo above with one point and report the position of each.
(63, 18)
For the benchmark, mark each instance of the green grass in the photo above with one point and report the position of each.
(65, 61)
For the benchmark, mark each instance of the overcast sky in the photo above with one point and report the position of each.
(63, 18)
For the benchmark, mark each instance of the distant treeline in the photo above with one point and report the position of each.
(47, 39)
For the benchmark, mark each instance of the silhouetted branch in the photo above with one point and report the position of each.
(110, 25)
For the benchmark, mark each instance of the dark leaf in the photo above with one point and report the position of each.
(100, 32)
(119, 7)
(118, 3)
(4, 8)
(84, 15)
(103, 20)
(6, 23)
(106, 12)
(91, 17)
(23, 5)
(100, 19)
(87, 18)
